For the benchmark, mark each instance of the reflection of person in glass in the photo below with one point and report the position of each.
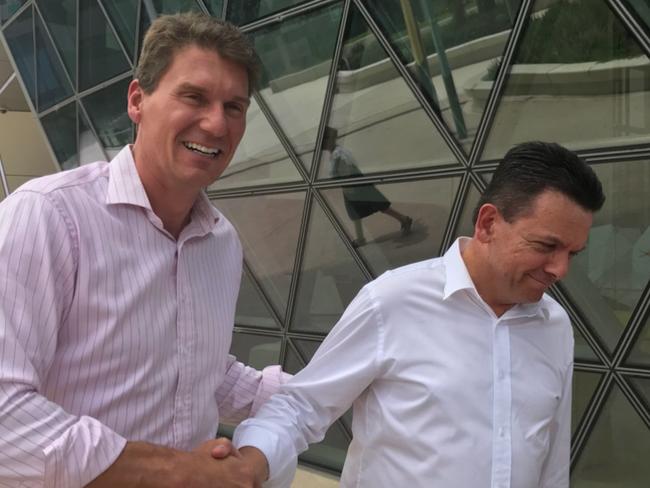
(459, 368)
(360, 200)
(118, 287)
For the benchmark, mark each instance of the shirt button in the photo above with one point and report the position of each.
(502, 432)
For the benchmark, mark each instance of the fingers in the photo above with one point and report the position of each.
(219, 448)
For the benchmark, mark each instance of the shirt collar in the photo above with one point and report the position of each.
(125, 187)
(457, 278)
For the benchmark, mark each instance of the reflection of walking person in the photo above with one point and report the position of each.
(360, 200)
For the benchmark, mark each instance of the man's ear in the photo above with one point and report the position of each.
(488, 217)
(134, 98)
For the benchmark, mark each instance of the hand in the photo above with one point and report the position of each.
(219, 448)
(223, 447)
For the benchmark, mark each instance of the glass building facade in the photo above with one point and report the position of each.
(426, 95)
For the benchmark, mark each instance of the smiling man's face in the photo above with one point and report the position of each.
(190, 125)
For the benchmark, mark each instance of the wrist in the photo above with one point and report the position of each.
(257, 461)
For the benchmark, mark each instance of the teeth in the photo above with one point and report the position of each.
(208, 151)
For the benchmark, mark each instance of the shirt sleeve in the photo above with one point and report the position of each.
(41, 445)
(345, 364)
(244, 389)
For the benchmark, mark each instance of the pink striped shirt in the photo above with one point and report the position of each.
(110, 329)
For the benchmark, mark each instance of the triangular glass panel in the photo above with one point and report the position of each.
(329, 277)
(306, 348)
(260, 158)
(270, 239)
(292, 361)
(51, 82)
(616, 450)
(465, 225)
(61, 129)
(582, 350)
(607, 279)
(111, 122)
(90, 150)
(394, 224)
(296, 57)
(251, 308)
(640, 353)
(215, 7)
(8, 8)
(145, 22)
(19, 35)
(584, 387)
(371, 100)
(61, 20)
(123, 14)
(579, 78)
(642, 9)
(256, 350)
(642, 387)
(100, 54)
(175, 6)
(246, 11)
(452, 51)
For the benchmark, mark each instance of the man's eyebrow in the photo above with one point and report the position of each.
(556, 241)
(187, 86)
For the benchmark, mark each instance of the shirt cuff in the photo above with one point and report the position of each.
(84, 451)
(272, 379)
(282, 465)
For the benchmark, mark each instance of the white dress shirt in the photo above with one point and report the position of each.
(445, 394)
(110, 329)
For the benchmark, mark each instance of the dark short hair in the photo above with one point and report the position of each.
(170, 33)
(530, 168)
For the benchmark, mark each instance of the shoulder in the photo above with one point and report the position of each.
(66, 180)
(413, 279)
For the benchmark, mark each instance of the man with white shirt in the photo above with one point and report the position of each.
(458, 368)
(118, 286)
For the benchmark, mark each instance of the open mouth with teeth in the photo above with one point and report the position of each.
(204, 151)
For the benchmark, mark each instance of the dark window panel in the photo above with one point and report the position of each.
(640, 353)
(8, 8)
(107, 114)
(215, 7)
(296, 57)
(579, 78)
(642, 387)
(242, 12)
(372, 101)
(175, 6)
(583, 351)
(616, 453)
(51, 82)
(260, 158)
(123, 14)
(61, 20)
(251, 308)
(584, 387)
(329, 277)
(19, 36)
(270, 238)
(100, 55)
(465, 224)
(256, 350)
(90, 149)
(395, 224)
(642, 9)
(61, 129)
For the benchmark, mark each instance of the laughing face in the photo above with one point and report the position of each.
(190, 125)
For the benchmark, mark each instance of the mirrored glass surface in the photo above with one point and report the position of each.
(465, 226)
(19, 36)
(90, 149)
(246, 11)
(642, 9)
(123, 14)
(51, 82)
(642, 386)
(584, 387)
(394, 224)
(100, 55)
(61, 20)
(215, 7)
(175, 6)
(606, 279)
(106, 111)
(375, 123)
(296, 57)
(251, 309)
(452, 49)
(268, 226)
(61, 129)
(329, 277)
(579, 78)
(582, 349)
(8, 8)
(260, 157)
(640, 354)
(616, 453)
(256, 350)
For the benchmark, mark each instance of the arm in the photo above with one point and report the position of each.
(346, 363)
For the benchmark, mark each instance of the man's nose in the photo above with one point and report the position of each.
(558, 265)
(214, 120)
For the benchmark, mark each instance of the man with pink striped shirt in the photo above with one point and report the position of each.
(118, 285)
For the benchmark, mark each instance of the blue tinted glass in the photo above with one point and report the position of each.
(19, 35)
(9, 7)
(61, 20)
(123, 14)
(52, 83)
(61, 129)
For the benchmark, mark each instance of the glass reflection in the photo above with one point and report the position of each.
(606, 280)
(106, 112)
(329, 278)
(51, 83)
(19, 36)
(269, 226)
(246, 11)
(584, 387)
(215, 7)
(123, 15)
(616, 452)
(642, 8)
(579, 78)
(296, 57)
(394, 224)
(90, 149)
(9, 7)
(448, 47)
(465, 226)
(174, 6)
(61, 129)
(642, 386)
(374, 114)
(251, 309)
(583, 350)
(256, 350)
(260, 157)
(640, 354)
(61, 20)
